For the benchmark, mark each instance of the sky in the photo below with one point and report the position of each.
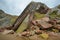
(15, 7)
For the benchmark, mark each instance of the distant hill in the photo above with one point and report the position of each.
(57, 7)
(54, 12)
(6, 19)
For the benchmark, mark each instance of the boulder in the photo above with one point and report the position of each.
(8, 32)
(44, 25)
(46, 19)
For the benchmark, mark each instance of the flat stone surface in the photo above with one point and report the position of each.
(44, 24)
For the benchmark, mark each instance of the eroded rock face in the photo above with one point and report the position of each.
(30, 9)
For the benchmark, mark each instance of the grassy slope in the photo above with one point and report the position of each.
(38, 15)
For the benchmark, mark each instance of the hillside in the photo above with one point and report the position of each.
(6, 19)
(54, 12)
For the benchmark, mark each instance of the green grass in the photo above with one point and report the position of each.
(38, 15)
(53, 15)
(13, 19)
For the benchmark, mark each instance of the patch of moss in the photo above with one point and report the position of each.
(55, 30)
(44, 36)
(38, 15)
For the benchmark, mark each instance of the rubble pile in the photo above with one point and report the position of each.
(43, 25)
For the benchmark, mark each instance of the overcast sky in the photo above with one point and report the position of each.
(15, 7)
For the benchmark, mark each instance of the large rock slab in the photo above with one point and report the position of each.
(43, 24)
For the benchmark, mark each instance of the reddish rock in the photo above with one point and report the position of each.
(53, 22)
(44, 25)
(57, 26)
(46, 19)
